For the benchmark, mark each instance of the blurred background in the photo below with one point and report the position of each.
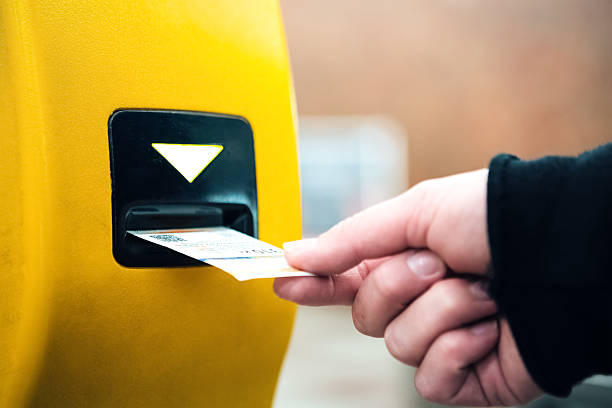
(392, 92)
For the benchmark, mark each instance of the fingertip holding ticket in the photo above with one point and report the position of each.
(238, 254)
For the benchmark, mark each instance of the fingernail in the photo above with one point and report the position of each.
(479, 290)
(484, 327)
(300, 245)
(424, 264)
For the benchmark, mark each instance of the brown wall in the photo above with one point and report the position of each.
(467, 78)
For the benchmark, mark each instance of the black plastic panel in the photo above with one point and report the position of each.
(149, 193)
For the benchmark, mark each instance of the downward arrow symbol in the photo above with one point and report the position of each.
(188, 159)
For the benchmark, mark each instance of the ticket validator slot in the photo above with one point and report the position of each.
(178, 170)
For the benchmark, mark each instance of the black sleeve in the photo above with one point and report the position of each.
(550, 229)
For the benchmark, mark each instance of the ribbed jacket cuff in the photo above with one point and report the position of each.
(549, 230)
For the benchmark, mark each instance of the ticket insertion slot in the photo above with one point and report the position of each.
(178, 170)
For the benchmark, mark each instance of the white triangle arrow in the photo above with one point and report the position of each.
(189, 159)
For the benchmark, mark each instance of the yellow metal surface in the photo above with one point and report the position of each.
(77, 329)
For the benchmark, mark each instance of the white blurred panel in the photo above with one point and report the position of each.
(347, 163)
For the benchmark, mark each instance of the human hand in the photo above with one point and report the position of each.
(440, 321)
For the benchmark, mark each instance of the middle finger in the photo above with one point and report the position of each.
(391, 285)
(447, 305)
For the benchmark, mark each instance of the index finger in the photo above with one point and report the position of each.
(384, 229)
(325, 290)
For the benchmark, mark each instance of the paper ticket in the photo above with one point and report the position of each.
(238, 254)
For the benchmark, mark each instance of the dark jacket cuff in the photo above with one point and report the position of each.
(549, 230)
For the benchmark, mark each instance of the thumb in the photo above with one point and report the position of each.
(381, 230)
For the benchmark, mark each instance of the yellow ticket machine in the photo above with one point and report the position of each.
(95, 96)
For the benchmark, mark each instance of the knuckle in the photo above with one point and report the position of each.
(359, 320)
(422, 186)
(425, 190)
(424, 201)
(345, 223)
(423, 386)
(365, 325)
(398, 347)
(450, 346)
(427, 386)
(387, 285)
(450, 294)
